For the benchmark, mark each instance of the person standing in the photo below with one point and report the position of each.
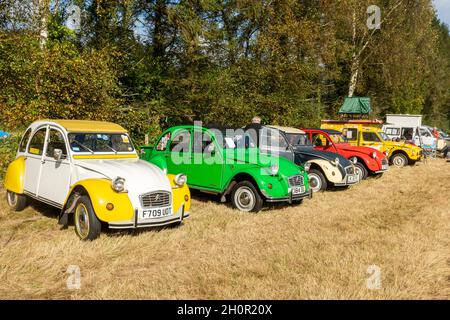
(256, 120)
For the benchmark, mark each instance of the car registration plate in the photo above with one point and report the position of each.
(384, 167)
(156, 213)
(352, 178)
(298, 190)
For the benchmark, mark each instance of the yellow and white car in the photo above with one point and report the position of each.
(91, 170)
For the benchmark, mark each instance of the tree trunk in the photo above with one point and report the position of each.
(355, 60)
(43, 14)
(354, 76)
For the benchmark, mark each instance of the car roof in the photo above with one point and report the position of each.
(286, 129)
(88, 126)
(329, 131)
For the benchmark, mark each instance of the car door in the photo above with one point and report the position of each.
(178, 152)
(370, 139)
(206, 168)
(33, 161)
(321, 142)
(427, 138)
(55, 178)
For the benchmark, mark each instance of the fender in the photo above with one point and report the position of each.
(101, 193)
(159, 161)
(279, 184)
(328, 169)
(179, 195)
(14, 178)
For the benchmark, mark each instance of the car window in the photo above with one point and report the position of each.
(337, 138)
(297, 139)
(272, 139)
(370, 136)
(407, 133)
(383, 136)
(319, 140)
(100, 142)
(351, 134)
(181, 141)
(203, 142)
(162, 144)
(24, 141)
(56, 141)
(393, 131)
(37, 142)
(425, 133)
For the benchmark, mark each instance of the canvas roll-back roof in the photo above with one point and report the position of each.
(287, 129)
(89, 126)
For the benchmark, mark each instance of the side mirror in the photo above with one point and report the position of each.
(57, 154)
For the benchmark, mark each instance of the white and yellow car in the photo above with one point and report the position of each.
(91, 170)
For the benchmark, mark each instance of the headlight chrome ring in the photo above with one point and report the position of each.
(118, 184)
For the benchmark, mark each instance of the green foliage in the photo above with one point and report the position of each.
(8, 149)
(152, 64)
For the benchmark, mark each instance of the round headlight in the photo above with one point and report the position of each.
(118, 184)
(335, 162)
(307, 166)
(274, 169)
(180, 179)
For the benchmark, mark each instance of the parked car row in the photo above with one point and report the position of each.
(94, 174)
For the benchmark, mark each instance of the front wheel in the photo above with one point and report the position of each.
(361, 171)
(87, 225)
(17, 202)
(246, 198)
(399, 160)
(317, 181)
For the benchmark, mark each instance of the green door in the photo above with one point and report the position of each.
(178, 152)
(206, 168)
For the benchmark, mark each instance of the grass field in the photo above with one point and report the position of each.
(321, 249)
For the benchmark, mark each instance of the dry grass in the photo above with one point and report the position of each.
(320, 249)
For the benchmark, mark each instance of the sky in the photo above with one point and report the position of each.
(443, 10)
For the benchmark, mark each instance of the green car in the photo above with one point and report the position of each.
(227, 162)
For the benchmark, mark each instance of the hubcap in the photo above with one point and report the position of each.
(82, 220)
(12, 198)
(314, 182)
(399, 161)
(245, 199)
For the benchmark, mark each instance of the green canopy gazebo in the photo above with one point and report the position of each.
(356, 107)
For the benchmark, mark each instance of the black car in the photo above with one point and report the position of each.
(325, 168)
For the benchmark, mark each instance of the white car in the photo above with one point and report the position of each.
(91, 170)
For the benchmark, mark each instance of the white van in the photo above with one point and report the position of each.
(409, 127)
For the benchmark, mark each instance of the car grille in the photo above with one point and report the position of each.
(384, 162)
(156, 199)
(350, 170)
(296, 181)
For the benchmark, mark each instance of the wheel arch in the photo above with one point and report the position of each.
(321, 165)
(399, 152)
(100, 193)
(15, 176)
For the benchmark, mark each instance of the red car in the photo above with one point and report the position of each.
(366, 160)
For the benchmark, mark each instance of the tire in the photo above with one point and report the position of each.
(377, 175)
(317, 181)
(87, 225)
(16, 202)
(399, 160)
(361, 171)
(246, 198)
